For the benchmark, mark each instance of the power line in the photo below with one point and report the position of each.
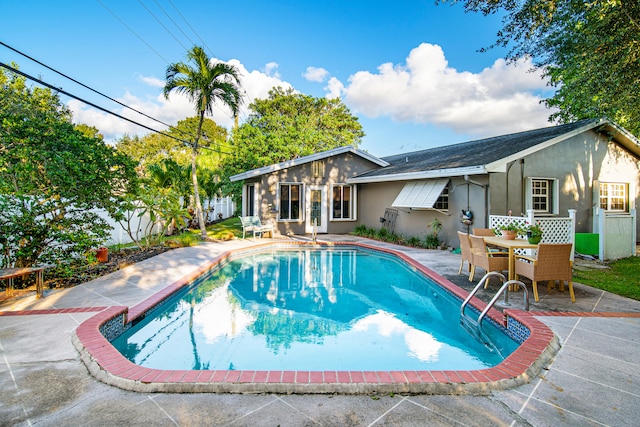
(174, 22)
(88, 87)
(57, 89)
(163, 26)
(133, 32)
(192, 29)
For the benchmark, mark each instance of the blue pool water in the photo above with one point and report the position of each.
(311, 309)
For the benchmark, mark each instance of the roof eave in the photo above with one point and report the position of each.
(440, 173)
(623, 137)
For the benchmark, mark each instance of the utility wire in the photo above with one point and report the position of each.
(163, 26)
(133, 32)
(57, 89)
(102, 94)
(174, 22)
(90, 88)
(192, 29)
(60, 90)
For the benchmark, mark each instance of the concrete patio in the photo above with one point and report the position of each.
(594, 380)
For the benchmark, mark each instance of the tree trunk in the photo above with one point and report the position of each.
(194, 179)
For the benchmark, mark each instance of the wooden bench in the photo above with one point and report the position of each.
(11, 273)
(254, 225)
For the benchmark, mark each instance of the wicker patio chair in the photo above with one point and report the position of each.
(489, 233)
(465, 252)
(485, 259)
(483, 232)
(552, 263)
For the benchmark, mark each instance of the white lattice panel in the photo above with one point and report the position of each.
(556, 230)
(496, 221)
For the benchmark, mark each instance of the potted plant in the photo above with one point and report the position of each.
(534, 234)
(508, 231)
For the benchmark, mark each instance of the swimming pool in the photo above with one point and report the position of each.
(92, 339)
(311, 309)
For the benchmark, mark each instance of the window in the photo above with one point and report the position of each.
(442, 204)
(290, 201)
(317, 169)
(542, 195)
(613, 196)
(342, 206)
(250, 199)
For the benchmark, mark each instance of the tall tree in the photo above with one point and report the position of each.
(288, 125)
(52, 178)
(205, 82)
(590, 50)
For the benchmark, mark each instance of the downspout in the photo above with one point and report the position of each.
(523, 187)
(486, 196)
(507, 186)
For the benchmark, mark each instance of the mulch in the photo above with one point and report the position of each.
(116, 261)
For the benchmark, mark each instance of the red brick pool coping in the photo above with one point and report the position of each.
(110, 366)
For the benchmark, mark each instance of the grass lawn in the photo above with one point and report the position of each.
(621, 278)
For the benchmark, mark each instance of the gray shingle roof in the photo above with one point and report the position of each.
(473, 153)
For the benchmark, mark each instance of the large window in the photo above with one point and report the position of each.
(342, 206)
(613, 196)
(542, 195)
(290, 201)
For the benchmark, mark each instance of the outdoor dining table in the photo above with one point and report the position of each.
(511, 245)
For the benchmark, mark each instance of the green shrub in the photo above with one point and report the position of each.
(414, 241)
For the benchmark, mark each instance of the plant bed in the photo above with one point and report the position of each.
(75, 274)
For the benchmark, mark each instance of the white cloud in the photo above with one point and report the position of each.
(271, 69)
(499, 99)
(334, 88)
(314, 74)
(255, 84)
(152, 81)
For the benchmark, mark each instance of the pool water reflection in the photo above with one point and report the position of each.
(311, 309)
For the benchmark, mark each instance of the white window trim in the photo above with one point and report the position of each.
(554, 198)
(627, 201)
(302, 202)
(354, 202)
(245, 191)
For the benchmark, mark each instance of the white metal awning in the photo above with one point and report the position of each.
(420, 194)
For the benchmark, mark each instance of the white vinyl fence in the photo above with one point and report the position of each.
(617, 235)
(221, 208)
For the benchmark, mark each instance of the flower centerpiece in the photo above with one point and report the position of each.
(534, 233)
(509, 231)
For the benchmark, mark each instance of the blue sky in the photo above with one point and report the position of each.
(409, 70)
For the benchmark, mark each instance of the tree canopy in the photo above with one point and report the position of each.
(590, 50)
(154, 148)
(52, 177)
(288, 125)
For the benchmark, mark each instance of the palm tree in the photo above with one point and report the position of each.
(204, 82)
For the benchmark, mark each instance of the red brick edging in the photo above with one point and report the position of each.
(110, 366)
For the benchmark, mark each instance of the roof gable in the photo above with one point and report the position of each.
(308, 159)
